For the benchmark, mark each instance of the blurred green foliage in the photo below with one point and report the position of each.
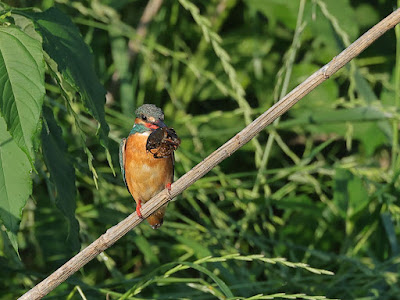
(319, 187)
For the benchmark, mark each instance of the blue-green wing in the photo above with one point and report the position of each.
(122, 159)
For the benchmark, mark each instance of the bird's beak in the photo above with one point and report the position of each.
(160, 123)
(155, 125)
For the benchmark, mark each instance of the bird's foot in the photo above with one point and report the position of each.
(138, 207)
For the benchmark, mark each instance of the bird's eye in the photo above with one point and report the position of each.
(144, 118)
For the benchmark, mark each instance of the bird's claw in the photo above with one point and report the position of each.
(168, 187)
(138, 207)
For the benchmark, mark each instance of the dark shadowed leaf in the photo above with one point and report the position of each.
(62, 174)
(390, 230)
(65, 46)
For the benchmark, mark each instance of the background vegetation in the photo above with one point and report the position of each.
(319, 187)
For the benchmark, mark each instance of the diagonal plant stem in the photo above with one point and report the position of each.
(116, 232)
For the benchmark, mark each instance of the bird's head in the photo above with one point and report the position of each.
(150, 116)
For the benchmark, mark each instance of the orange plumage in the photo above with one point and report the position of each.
(145, 174)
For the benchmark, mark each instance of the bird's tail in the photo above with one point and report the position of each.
(156, 219)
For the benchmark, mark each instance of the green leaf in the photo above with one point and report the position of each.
(15, 182)
(222, 285)
(370, 124)
(364, 88)
(350, 194)
(321, 116)
(199, 249)
(277, 11)
(171, 268)
(62, 174)
(120, 54)
(27, 26)
(146, 248)
(390, 230)
(64, 44)
(339, 13)
(366, 15)
(21, 85)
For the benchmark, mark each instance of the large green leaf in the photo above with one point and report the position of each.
(65, 46)
(62, 174)
(15, 182)
(21, 85)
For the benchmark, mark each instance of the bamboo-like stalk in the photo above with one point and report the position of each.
(116, 232)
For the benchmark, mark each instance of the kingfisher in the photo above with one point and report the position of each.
(144, 174)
